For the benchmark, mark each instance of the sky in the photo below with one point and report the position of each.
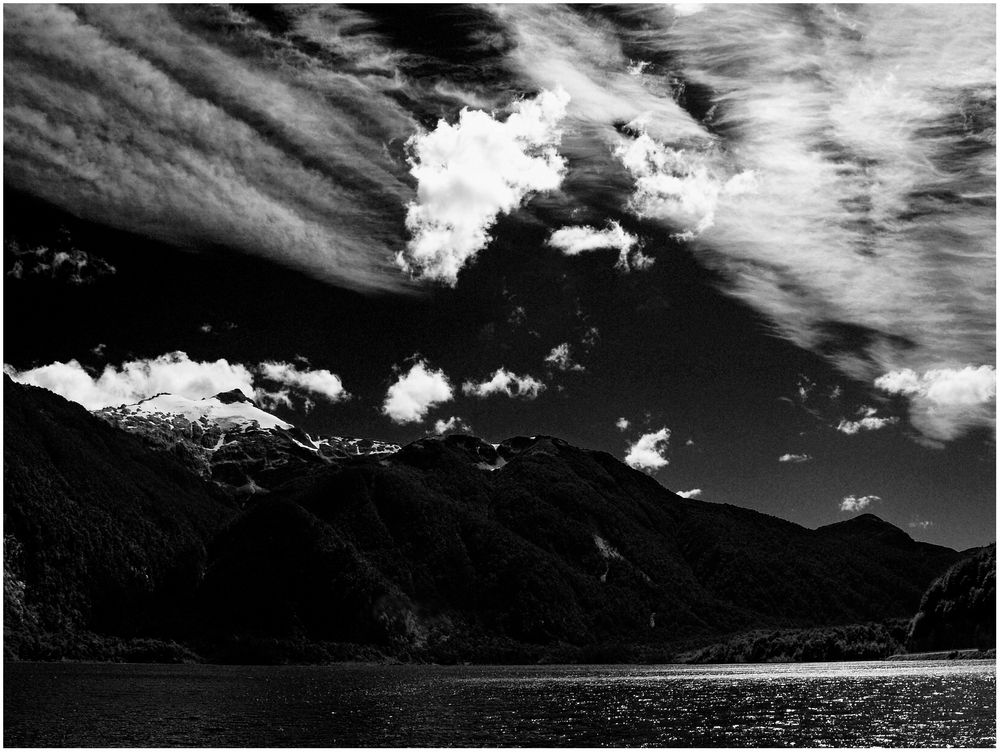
(750, 250)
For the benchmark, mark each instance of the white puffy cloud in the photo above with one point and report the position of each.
(854, 503)
(319, 381)
(694, 493)
(560, 358)
(648, 453)
(944, 402)
(416, 392)
(470, 172)
(453, 423)
(678, 186)
(138, 379)
(622, 424)
(505, 382)
(794, 458)
(870, 422)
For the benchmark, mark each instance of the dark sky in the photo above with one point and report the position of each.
(237, 183)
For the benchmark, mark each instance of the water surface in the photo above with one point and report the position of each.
(920, 703)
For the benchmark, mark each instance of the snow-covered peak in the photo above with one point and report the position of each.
(230, 415)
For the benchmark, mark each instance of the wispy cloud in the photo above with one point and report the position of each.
(505, 382)
(472, 171)
(649, 452)
(414, 393)
(559, 357)
(622, 424)
(61, 264)
(854, 503)
(197, 126)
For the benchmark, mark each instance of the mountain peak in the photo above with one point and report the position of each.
(232, 396)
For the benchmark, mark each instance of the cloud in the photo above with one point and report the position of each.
(857, 503)
(945, 402)
(416, 392)
(797, 458)
(65, 264)
(867, 233)
(678, 186)
(505, 382)
(559, 357)
(648, 453)
(869, 422)
(472, 171)
(694, 493)
(622, 424)
(451, 425)
(199, 127)
(920, 524)
(138, 379)
(573, 241)
(319, 381)
(271, 400)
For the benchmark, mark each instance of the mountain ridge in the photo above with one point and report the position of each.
(450, 548)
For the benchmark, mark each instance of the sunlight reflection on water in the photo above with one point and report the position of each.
(851, 704)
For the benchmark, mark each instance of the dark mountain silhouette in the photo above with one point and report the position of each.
(959, 608)
(449, 549)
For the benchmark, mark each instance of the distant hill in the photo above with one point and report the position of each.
(959, 608)
(448, 549)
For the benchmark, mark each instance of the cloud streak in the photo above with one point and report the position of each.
(507, 383)
(196, 126)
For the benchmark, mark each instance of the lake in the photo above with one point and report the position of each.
(920, 703)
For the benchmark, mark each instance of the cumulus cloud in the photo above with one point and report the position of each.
(505, 382)
(472, 171)
(944, 402)
(137, 379)
(319, 381)
(198, 126)
(559, 357)
(451, 425)
(271, 400)
(677, 186)
(416, 392)
(694, 493)
(622, 424)
(794, 458)
(854, 503)
(649, 452)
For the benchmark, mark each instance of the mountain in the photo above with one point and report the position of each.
(959, 608)
(100, 533)
(448, 549)
(230, 440)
